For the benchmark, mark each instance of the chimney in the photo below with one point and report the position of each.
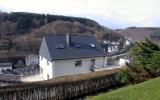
(68, 39)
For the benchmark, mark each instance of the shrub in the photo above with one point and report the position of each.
(125, 77)
(146, 56)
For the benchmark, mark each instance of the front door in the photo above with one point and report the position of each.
(92, 64)
(47, 76)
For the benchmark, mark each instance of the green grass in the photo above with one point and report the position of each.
(149, 90)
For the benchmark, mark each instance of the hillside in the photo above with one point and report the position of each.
(33, 38)
(139, 33)
(22, 32)
(20, 23)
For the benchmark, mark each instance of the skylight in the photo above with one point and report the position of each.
(59, 46)
(92, 45)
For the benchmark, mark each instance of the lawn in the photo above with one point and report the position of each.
(149, 90)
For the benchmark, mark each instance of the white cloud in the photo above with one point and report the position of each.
(136, 12)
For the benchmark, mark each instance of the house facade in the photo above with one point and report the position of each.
(63, 55)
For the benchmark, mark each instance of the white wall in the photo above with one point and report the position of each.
(122, 62)
(67, 67)
(47, 68)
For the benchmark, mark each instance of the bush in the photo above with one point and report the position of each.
(125, 77)
(146, 56)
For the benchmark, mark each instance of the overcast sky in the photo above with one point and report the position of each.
(110, 13)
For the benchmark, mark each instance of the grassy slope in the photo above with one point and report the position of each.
(149, 90)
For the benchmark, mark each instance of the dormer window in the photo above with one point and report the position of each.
(59, 46)
(92, 45)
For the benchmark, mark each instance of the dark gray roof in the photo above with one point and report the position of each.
(70, 52)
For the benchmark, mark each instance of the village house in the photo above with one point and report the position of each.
(63, 55)
(129, 41)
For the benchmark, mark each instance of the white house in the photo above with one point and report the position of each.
(128, 41)
(63, 55)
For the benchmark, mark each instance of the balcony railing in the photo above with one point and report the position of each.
(99, 68)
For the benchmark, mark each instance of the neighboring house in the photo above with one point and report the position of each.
(5, 66)
(113, 49)
(32, 59)
(128, 41)
(63, 55)
(110, 47)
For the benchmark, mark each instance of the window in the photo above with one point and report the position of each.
(78, 63)
(92, 62)
(92, 45)
(59, 46)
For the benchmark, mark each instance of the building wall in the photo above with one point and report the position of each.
(67, 67)
(46, 68)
